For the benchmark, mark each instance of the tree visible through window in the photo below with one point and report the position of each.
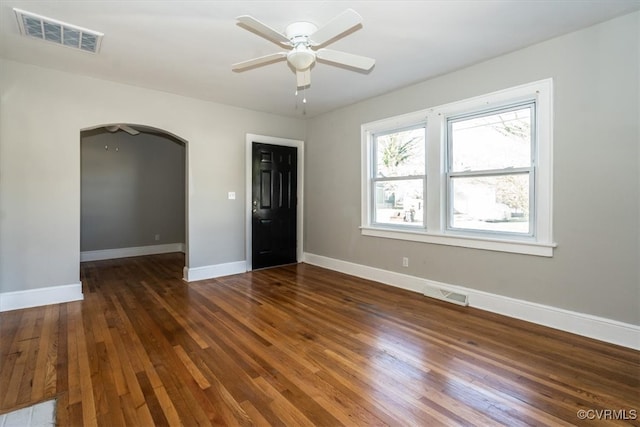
(399, 177)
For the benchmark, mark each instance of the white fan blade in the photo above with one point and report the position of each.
(347, 59)
(337, 26)
(129, 130)
(256, 62)
(303, 78)
(263, 30)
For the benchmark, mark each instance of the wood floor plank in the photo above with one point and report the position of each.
(40, 368)
(16, 381)
(18, 353)
(191, 367)
(89, 413)
(256, 417)
(152, 402)
(298, 345)
(51, 360)
(73, 364)
(99, 322)
(61, 387)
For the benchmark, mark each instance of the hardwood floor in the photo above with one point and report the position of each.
(298, 346)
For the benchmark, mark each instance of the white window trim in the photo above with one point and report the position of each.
(436, 117)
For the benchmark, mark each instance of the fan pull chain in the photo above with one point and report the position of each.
(304, 100)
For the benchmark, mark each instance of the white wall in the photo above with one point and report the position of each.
(41, 115)
(596, 178)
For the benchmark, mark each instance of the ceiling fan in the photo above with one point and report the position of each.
(305, 42)
(116, 128)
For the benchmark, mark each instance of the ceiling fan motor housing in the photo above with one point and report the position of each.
(301, 57)
(300, 30)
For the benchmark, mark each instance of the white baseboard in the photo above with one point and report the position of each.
(213, 271)
(600, 328)
(129, 252)
(41, 296)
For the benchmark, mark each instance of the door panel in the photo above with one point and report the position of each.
(274, 210)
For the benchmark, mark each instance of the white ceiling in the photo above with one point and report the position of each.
(187, 47)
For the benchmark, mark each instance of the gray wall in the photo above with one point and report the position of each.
(131, 191)
(42, 114)
(596, 180)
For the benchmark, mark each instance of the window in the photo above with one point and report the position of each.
(398, 183)
(475, 173)
(489, 170)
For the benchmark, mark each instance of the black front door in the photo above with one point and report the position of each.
(274, 205)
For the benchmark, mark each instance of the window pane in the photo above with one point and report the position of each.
(497, 141)
(492, 203)
(400, 153)
(399, 202)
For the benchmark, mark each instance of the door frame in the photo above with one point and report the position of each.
(140, 251)
(250, 139)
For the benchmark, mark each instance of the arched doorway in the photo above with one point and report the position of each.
(133, 192)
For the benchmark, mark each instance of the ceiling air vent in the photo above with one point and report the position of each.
(43, 28)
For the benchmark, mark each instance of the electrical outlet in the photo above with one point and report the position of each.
(157, 237)
(232, 195)
(405, 261)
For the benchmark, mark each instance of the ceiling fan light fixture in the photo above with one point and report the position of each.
(301, 58)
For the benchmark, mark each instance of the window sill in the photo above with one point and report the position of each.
(500, 245)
